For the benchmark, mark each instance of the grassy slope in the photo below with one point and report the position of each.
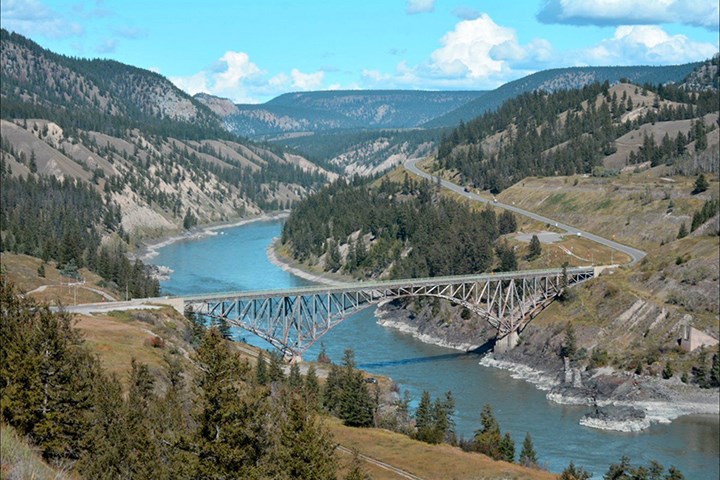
(431, 462)
(641, 209)
(22, 271)
(635, 314)
(18, 460)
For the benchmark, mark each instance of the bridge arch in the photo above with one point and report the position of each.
(293, 320)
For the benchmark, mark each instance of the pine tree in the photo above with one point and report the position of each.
(261, 374)
(569, 347)
(225, 439)
(682, 233)
(572, 472)
(275, 369)
(307, 450)
(701, 184)
(295, 380)
(424, 417)
(528, 456)
(507, 448)
(487, 438)
(535, 249)
(355, 404)
(224, 328)
(715, 371)
(312, 389)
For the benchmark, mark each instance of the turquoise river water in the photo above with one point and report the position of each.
(235, 259)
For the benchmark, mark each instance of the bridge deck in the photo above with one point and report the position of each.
(376, 285)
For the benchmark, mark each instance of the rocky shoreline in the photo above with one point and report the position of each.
(616, 400)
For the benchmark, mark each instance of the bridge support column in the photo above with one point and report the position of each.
(508, 342)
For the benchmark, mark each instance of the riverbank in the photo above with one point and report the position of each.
(616, 400)
(149, 249)
(295, 268)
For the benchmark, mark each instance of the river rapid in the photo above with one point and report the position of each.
(236, 259)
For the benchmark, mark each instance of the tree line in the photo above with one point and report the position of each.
(566, 132)
(406, 229)
(64, 221)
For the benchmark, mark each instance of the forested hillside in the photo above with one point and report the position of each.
(396, 230)
(563, 79)
(94, 152)
(577, 131)
(313, 112)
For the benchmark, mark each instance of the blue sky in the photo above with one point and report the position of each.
(253, 50)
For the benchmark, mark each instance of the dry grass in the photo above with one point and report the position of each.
(22, 271)
(431, 462)
(637, 209)
(18, 460)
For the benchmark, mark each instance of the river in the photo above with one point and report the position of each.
(235, 259)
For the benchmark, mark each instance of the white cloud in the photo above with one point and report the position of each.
(32, 17)
(419, 6)
(645, 44)
(193, 84)
(236, 77)
(484, 51)
(307, 81)
(703, 13)
(238, 68)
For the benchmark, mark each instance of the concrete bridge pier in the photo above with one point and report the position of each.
(507, 343)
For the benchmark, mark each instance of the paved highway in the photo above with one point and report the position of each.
(635, 254)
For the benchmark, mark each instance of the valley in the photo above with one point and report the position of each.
(119, 186)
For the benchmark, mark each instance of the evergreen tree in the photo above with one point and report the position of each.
(569, 347)
(355, 404)
(226, 415)
(47, 375)
(572, 472)
(295, 380)
(528, 456)
(535, 249)
(275, 369)
(224, 328)
(682, 233)
(507, 222)
(261, 373)
(715, 371)
(307, 450)
(424, 417)
(312, 389)
(701, 184)
(507, 448)
(487, 438)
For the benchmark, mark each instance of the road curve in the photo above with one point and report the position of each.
(635, 254)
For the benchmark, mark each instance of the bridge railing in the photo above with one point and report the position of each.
(364, 286)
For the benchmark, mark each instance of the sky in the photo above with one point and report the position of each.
(253, 50)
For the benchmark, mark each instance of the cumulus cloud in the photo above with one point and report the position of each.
(32, 17)
(307, 81)
(703, 13)
(419, 6)
(645, 44)
(482, 50)
(236, 77)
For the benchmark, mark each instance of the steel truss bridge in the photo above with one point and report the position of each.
(293, 319)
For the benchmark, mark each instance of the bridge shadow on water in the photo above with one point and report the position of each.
(477, 352)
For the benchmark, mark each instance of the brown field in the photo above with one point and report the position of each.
(430, 462)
